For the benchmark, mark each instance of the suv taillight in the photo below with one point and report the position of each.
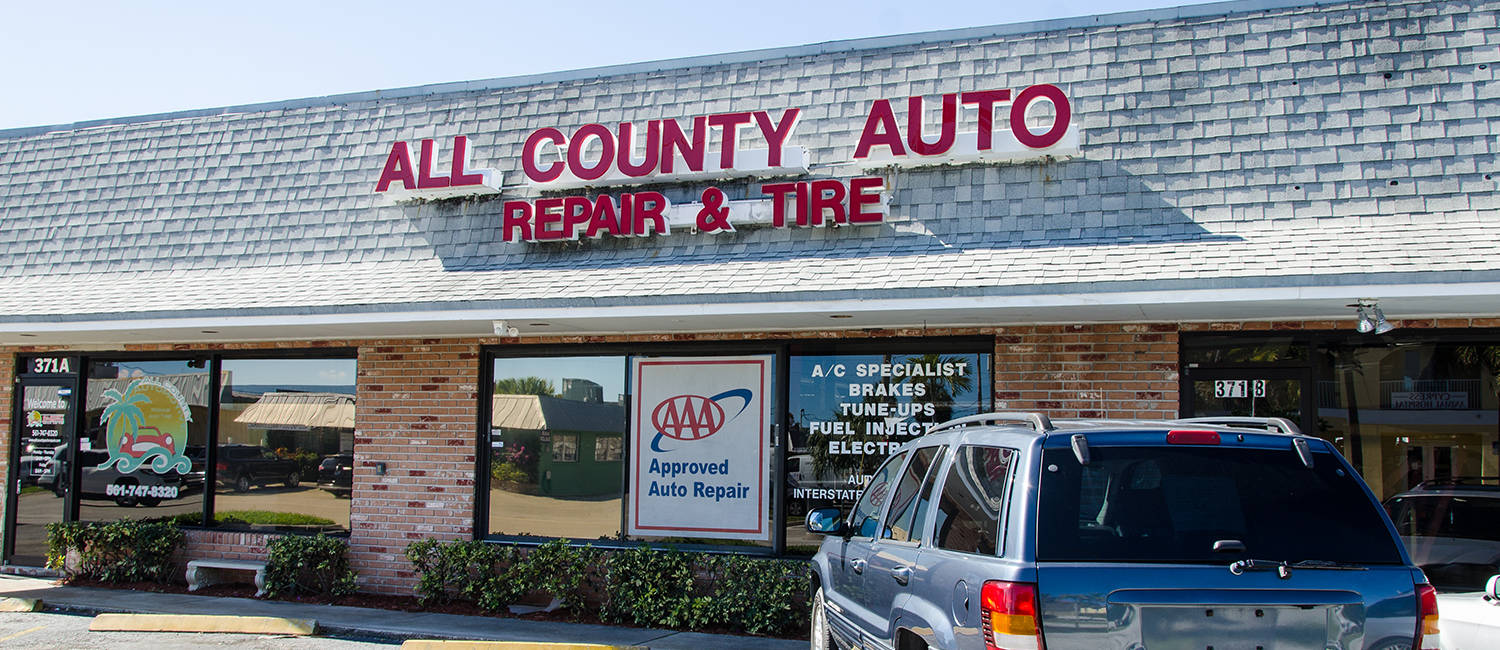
(221, 466)
(1010, 617)
(1427, 627)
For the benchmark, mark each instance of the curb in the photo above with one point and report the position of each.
(433, 644)
(20, 605)
(203, 623)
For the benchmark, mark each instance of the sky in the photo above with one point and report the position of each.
(96, 59)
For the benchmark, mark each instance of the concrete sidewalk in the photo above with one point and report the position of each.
(380, 623)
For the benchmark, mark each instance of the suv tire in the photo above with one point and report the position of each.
(820, 636)
(293, 479)
(242, 483)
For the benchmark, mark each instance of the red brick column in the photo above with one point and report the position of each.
(1090, 371)
(416, 414)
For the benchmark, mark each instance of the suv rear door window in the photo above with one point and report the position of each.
(909, 508)
(968, 517)
(1170, 504)
(864, 520)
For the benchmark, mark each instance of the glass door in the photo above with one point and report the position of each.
(38, 490)
(1258, 392)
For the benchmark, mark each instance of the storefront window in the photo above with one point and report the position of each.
(1409, 412)
(555, 468)
(571, 436)
(142, 450)
(1416, 413)
(285, 444)
(849, 412)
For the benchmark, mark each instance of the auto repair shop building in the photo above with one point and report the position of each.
(686, 300)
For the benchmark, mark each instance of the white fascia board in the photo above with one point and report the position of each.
(1039, 301)
(1150, 305)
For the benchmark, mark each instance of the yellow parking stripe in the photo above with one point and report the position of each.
(23, 633)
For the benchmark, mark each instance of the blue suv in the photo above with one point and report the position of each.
(1013, 531)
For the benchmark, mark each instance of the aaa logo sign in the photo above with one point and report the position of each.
(695, 417)
(146, 423)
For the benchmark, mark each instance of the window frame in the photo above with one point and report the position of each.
(1003, 514)
(212, 360)
(782, 348)
(572, 446)
(615, 448)
(490, 354)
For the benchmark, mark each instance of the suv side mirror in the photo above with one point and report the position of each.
(825, 521)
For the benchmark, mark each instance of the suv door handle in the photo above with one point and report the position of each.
(857, 565)
(902, 574)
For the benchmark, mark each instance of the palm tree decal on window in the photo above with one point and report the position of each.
(147, 423)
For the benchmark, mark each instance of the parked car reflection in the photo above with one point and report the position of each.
(142, 486)
(1451, 528)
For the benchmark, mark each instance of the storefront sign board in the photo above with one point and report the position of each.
(698, 447)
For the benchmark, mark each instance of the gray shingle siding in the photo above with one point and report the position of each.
(1211, 144)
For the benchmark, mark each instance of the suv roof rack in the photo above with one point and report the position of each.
(1483, 482)
(1038, 421)
(1274, 425)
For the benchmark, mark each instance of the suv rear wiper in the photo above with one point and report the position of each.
(1284, 569)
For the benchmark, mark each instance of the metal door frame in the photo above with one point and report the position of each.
(69, 435)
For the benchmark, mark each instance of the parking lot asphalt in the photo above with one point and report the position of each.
(375, 623)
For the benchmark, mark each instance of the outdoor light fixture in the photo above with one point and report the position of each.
(503, 329)
(1370, 319)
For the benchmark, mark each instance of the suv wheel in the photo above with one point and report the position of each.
(242, 483)
(293, 479)
(821, 636)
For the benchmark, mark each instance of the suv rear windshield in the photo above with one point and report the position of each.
(1170, 504)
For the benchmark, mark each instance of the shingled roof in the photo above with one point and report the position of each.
(1237, 146)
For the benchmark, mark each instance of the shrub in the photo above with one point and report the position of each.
(476, 572)
(649, 587)
(508, 472)
(563, 571)
(300, 564)
(640, 586)
(495, 576)
(760, 596)
(118, 551)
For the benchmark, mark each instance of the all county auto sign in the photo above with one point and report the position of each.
(707, 148)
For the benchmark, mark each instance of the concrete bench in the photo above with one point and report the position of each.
(202, 573)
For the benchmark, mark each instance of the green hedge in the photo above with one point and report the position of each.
(641, 586)
(118, 551)
(300, 564)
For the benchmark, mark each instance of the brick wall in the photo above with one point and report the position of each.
(417, 414)
(1091, 371)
